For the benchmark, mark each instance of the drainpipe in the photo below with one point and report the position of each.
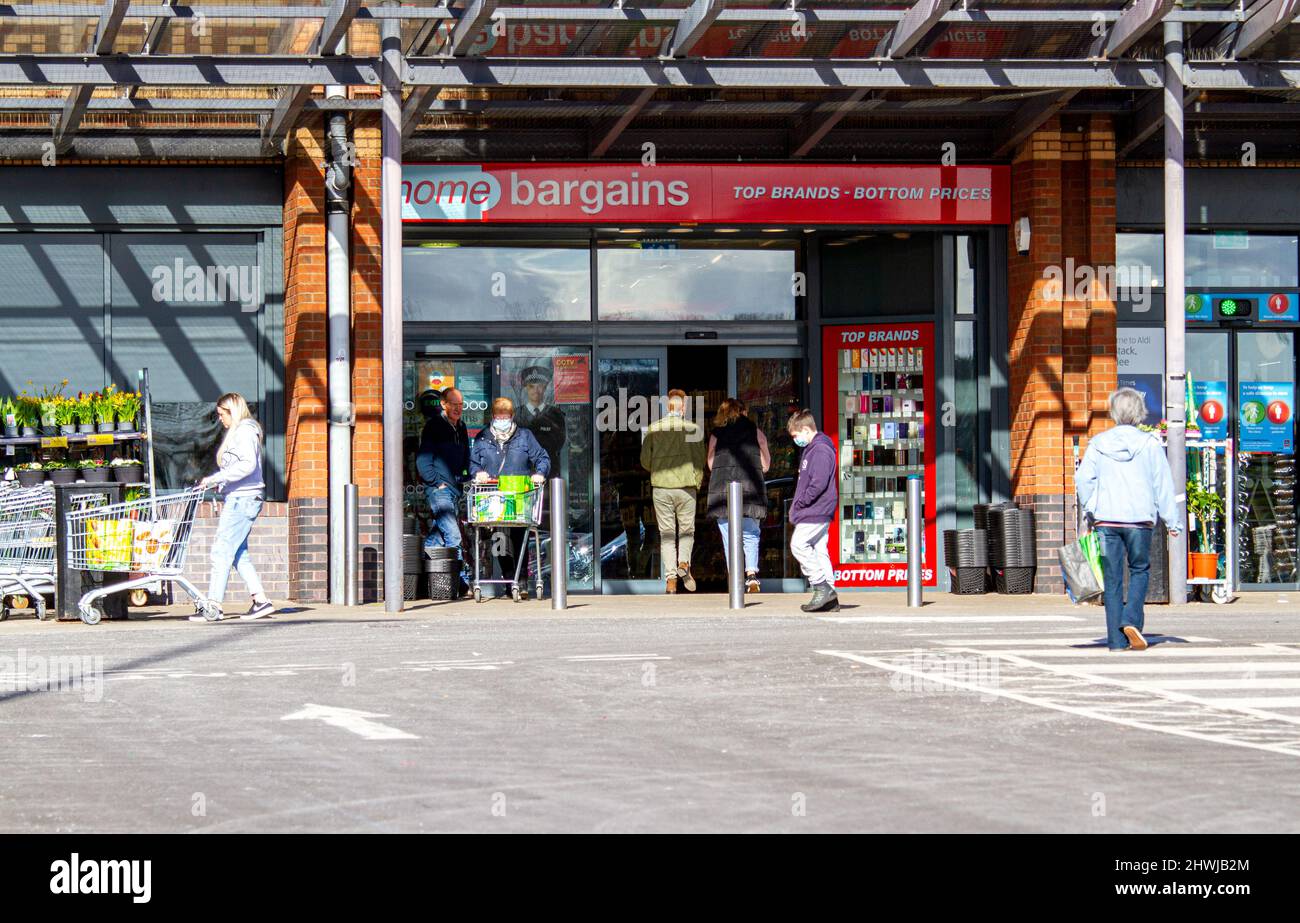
(342, 412)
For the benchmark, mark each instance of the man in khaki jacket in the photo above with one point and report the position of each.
(673, 452)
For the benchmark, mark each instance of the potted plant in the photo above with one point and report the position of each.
(127, 470)
(84, 409)
(128, 406)
(65, 414)
(60, 472)
(9, 414)
(48, 402)
(94, 471)
(1205, 507)
(31, 474)
(102, 405)
(27, 414)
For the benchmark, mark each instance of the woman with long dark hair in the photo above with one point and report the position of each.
(738, 452)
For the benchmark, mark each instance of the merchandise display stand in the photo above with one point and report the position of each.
(1224, 588)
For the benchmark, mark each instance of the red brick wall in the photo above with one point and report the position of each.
(1062, 341)
(306, 440)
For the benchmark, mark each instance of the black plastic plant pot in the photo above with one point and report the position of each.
(96, 475)
(31, 478)
(63, 475)
(128, 474)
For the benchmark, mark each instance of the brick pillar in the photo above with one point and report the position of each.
(367, 355)
(306, 437)
(1061, 319)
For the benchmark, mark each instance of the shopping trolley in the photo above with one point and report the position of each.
(27, 559)
(488, 509)
(148, 538)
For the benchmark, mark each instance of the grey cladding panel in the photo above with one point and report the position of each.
(52, 312)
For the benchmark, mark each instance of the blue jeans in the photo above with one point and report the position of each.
(749, 536)
(444, 503)
(1116, 544)
(230, 547)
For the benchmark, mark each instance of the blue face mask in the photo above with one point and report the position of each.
(802, 441)
(501, 426)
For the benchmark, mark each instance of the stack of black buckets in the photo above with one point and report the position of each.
(1001, 552)
(432, 573)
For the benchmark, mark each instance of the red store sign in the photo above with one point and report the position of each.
(799, 194)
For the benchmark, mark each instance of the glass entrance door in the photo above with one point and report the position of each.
(1266, 508)
(1243, 386)
(629, 383)
(770, 381)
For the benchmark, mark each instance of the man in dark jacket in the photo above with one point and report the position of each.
(443, 464)
(813, 510)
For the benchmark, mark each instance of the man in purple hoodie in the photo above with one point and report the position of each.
(813, 510)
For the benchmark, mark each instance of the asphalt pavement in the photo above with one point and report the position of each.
(990, 714)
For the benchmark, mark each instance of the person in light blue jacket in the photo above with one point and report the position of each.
(1123, 484)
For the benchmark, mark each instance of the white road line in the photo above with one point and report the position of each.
(1274, 682)
(1279, 701)
(1288, 750)
(1155, 652)
(1081, 671)
(1017, 642)
(928, 619)
(350, 719)
(1186, 666)
(600, 658)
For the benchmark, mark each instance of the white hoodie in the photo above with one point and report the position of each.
(240, 463)
(1125, 477)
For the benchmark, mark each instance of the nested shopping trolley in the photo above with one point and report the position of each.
(27, 559)
(488, 509)
(147, 538)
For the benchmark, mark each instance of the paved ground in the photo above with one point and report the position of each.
(641, 714)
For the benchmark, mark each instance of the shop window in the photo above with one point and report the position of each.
(965, 262)
(1214, 259)
(878, 275)
(496, 281)
(698, 280)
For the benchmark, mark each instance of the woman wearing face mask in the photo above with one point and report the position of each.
(506, 448)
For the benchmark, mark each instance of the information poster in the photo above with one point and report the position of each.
(879, 405)
(1266, 409)
(572, 379)
(1211, 398)
(1140, 355)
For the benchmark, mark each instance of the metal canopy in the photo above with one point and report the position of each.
(801, 79)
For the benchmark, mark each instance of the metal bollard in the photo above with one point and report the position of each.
(735, 546)
(559, 545)
(915, 532)
(351, 532)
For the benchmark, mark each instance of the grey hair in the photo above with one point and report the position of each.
(1128, 407)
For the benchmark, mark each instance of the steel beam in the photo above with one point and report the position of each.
(634, 101)
(696, 20)
(1135, 22)
(101, 42)
(915, 25)
(416, 106)
(338, 19)
(1029, 118)
(1147, 120)
(471, 22)
(809, 133)
(1267, 20)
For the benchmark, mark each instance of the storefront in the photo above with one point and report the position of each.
(585, 292)
(1243, 312)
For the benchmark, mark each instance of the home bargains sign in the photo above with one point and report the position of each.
(799, 194)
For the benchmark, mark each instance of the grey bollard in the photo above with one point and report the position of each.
(915, 531)
(351, 543)
(559, 545)
(735, 546)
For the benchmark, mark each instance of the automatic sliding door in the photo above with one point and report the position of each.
(629, 384)
(1266, 508)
